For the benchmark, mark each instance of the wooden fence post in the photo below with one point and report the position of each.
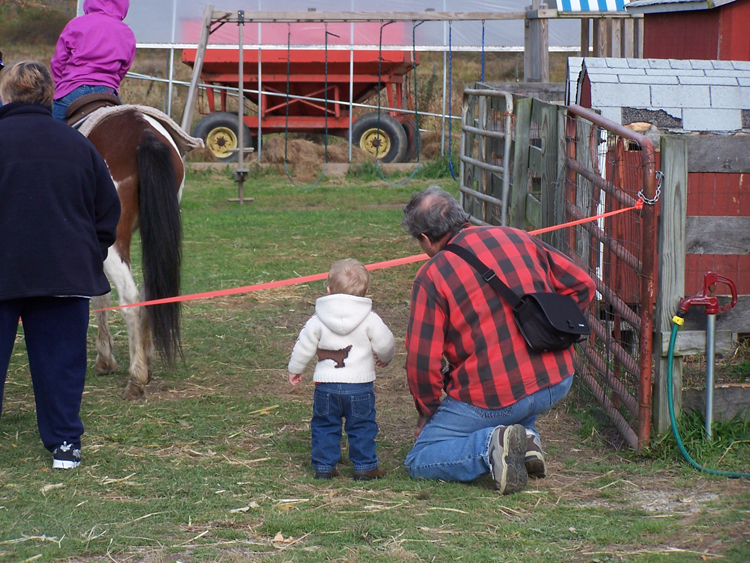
(671, 283)
(517, 196)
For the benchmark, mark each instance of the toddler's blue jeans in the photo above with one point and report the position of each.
(355, 403)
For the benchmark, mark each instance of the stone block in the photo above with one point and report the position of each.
(633, 95)
(701, 64)
(727, 97)
(679, 96)
(680, 64)
(635, 79)
(711, 119)
(659, 63)
(722, 65)
(710, 80)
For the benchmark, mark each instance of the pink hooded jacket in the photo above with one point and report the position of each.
(95, 49)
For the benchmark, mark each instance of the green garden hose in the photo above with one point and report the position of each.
(677, 320)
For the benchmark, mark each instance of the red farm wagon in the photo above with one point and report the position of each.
(318, 99)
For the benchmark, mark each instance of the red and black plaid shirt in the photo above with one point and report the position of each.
(457, 315)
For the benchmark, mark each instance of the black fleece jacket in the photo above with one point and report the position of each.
(58, 207)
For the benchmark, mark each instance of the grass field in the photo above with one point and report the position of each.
(214, 464)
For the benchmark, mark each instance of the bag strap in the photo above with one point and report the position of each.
(487, 274)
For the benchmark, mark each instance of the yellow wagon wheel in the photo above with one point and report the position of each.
(220, 133)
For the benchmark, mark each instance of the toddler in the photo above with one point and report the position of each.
(349, 340)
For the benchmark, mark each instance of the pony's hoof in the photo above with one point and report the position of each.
(133, 392)
(105, 368)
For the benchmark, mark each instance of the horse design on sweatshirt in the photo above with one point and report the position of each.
(338, 356)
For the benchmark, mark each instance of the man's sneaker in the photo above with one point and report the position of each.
(327, 475)
(534, 462)
(66, 456)
(507, 453)
(376, 473)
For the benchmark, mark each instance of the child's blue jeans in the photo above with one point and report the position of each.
(354, 402)
(60, 106)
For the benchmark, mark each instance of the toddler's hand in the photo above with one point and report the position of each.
(295, 378)
(378, 362)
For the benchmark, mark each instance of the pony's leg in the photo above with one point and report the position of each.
(148, 342)
(105, 359)
(120, 275)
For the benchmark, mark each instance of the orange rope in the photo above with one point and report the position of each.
(318, 277)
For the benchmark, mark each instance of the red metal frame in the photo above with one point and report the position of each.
(646, 262)
(307, 77)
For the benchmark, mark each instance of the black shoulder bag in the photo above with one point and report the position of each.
(547, 321)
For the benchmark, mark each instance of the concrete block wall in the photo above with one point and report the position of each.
(695, 95)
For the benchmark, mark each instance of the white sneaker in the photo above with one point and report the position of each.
(65, 456)
(507, 458)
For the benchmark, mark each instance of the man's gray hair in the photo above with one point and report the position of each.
(435, 213)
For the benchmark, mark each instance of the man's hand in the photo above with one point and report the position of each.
(421, 421)
(295, 378)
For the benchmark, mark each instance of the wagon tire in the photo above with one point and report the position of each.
(220, 134)
(385, 141)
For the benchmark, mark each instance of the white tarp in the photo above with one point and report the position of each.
(177, 23)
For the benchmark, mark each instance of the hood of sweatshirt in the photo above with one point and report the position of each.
(113, 8)
(342, 313)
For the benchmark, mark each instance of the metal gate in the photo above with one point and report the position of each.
(610, 167)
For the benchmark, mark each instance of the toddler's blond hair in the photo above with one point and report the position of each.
(348, 276)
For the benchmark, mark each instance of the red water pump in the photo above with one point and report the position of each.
(711, 303)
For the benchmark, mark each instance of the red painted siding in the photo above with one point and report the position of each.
(734, 34)
(718, 195)
(682, 35)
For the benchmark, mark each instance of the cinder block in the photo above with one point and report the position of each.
(735, 73)
(711, 81)
(728, 97)
(675, 63)
(635, 79)
(601, 78)
(637, 63)
(612, 113)
(701, 64)
(659, 63)
(617, 63)
(722, 65)
(711, 119)
(680, 96)
(741, 65)
(632, 95)
(592, 62)
(674, 72)
(744, 81)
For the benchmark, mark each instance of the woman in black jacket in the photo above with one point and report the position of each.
(58, 217)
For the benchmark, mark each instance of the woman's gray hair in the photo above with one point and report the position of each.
(28, 82)
(435, 213)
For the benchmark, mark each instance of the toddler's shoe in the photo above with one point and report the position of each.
(376, 473)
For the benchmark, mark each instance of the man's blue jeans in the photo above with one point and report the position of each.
(454, 444)
(59, 107)
(354, 402)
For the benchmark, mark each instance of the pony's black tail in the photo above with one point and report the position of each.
(161, 239)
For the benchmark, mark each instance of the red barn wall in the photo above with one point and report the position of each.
(682, 35)
(734, 32)
(711, 194)
(715, 34)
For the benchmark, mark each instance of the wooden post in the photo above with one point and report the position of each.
(585, 39)
(187, 116)
(549, 168)
(638, 38)
(558, 238)
(600, 37)
(615, 43)
(536, 49)
(671, 246)
(517, 196)
(628, 45)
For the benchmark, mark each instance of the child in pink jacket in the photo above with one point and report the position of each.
(93, 53)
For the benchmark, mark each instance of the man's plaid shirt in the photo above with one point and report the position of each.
(456, 315)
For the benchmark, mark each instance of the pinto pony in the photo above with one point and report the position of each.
(143, 149)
